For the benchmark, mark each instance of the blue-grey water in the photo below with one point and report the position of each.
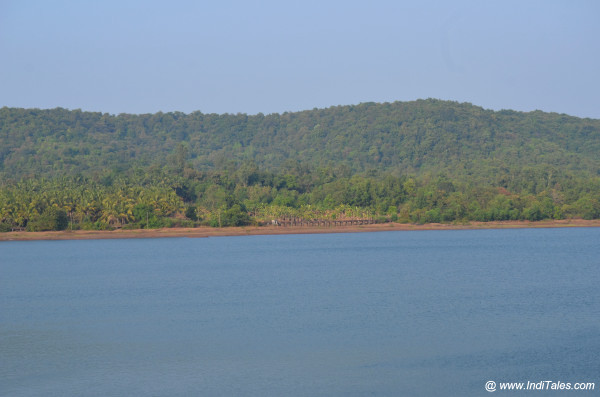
(427, 313)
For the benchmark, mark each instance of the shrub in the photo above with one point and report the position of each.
(190, 213)
(53, 218)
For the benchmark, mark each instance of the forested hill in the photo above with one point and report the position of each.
(424, 136)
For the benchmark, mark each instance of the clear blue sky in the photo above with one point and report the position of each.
(274, 56)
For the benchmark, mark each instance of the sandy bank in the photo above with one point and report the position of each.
(267, 230)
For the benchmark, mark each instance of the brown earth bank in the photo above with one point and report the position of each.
(268, 230)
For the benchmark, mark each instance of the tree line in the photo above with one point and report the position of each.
(170, 196)
(419, 137)
(421, 161)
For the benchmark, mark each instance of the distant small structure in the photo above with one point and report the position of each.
(293, 221)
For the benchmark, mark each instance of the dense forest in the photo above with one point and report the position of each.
(421, 161)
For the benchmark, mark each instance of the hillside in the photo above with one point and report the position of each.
(426, 161)
(424, 136)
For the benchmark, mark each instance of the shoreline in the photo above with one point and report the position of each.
(202, 232)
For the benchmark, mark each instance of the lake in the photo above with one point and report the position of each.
(422, 313)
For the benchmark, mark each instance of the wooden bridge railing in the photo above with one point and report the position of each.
(286, 222)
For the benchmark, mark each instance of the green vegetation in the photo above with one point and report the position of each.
(154, 199)
(422, 161)
(426, 136)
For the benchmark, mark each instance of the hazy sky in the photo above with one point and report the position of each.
(274, 56)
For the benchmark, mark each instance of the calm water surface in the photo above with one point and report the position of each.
(427, 313)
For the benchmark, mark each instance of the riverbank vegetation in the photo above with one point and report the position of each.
(155, 198)
(425, 161)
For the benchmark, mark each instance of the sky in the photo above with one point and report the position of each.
(276, 56)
